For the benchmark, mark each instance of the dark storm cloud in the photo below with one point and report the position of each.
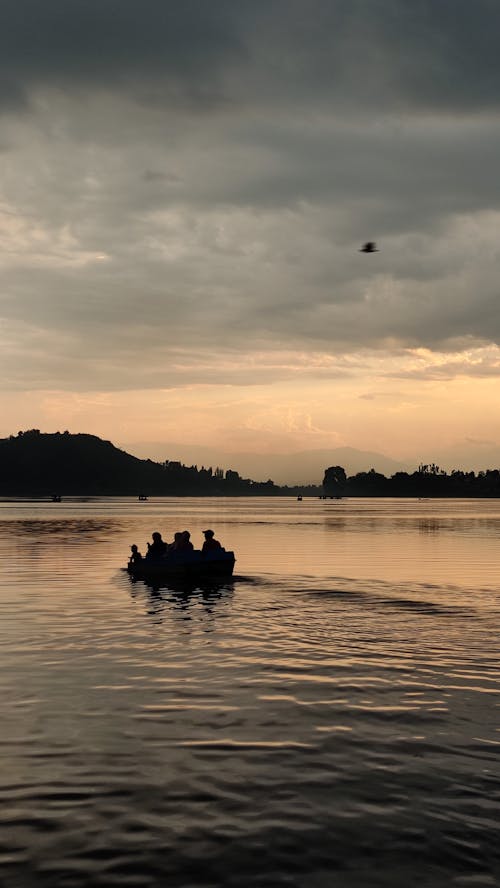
(92, 43)
(428, 54)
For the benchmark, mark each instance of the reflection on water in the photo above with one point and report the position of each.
(190, 599)
(327, 717)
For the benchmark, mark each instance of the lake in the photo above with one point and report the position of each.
(330, 717)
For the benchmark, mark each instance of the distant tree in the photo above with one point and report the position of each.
(430, 469)
(369, 483)
(334, 481)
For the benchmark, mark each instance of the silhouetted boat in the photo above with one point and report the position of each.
(142, 498)
(184, 565)
(56, 498)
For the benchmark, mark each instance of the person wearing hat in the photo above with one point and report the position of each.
(210, 544)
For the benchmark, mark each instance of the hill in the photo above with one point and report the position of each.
(37, 464)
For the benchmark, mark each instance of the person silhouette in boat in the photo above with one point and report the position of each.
(186, 544)
(136, 556)
(182, 542)
(158, 548)
(210, 544)
(177, 543)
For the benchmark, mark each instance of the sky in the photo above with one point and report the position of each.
(185, 188)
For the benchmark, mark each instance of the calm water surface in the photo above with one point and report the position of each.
(328, 718)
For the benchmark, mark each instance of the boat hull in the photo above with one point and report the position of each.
(194, 566)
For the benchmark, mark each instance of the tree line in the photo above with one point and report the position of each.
(429, 480)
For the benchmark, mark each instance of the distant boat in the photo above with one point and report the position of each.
(142, 498)
(56, 498)
(299, 498)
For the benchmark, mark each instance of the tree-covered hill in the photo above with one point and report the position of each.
(37, 464)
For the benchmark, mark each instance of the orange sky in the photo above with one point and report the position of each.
(403, 406)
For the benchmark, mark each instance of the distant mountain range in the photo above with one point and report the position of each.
(308, 466)
(302, 467)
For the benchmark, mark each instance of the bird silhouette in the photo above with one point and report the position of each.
(369, 247)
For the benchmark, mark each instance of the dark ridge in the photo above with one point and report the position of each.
(35, 464)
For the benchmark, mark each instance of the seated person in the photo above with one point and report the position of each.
(177, 543)
(182, 542)
(211, 544)
(136, 556)
(186, 544)
(158, 548)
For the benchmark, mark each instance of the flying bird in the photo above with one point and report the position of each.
(369, 247)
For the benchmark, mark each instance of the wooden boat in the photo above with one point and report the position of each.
(194, 564)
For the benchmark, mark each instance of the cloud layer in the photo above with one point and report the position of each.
(185, 187)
